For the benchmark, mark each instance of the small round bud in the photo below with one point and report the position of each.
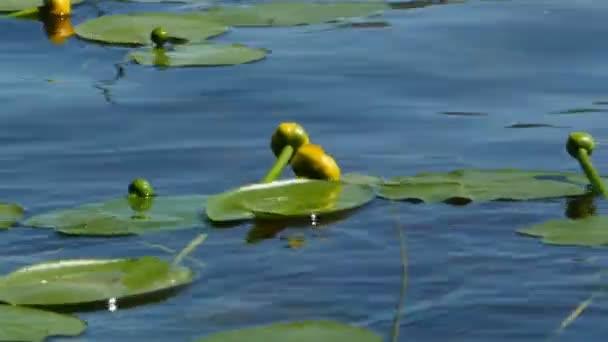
(578, 140)
(288, 133)
(141, 188)
(159, 37)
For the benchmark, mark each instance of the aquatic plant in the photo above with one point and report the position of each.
(580, 146)
(317, 192)
(582, 227)
(140, 212)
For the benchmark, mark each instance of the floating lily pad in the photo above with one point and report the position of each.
(9, 214)
(203, 54)
(287, 199)
(590, 231)
(135, 29)
(124, 216)
(20, 324)
(305, 331)
(86, 281)
(293, 13)
(18, 5)
(464, 186)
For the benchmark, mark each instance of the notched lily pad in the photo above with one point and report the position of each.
(589, 231)
(135, 29)
(18, 5)
(293, 13)
(203, 54)
(124, 216)
(20, 324)
(305, 331)
(287, 199)
(10, 213)
(87, 281)
(464, 186)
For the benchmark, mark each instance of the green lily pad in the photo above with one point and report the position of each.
(590, 231)
(293, 13)
(135, 29)
(124, 216)
(20, 324)
(305, 331)
(464, 186)
(86, 281)
(292, 198)
(9, 214)
(203, 54)
(18, 5)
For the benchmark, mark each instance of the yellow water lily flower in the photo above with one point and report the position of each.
(311, 161)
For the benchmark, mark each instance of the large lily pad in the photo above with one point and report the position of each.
(293, 13)
(590, 231)
(203, 54)
(124, 216)
(86, 281)
(287, 199)
(464, 186)
(18, 5)
(135, 29)
(20, 324)
(305, 331)
(9, 214)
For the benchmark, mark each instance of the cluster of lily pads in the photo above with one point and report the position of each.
(181, 38)
(319, 190)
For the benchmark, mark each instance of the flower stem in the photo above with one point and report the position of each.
(594, 178)
(279, 164)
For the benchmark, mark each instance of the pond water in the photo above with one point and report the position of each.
(382, 101)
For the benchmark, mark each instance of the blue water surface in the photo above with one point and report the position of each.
(383, 101)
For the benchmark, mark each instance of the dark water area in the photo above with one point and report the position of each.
(443, 87)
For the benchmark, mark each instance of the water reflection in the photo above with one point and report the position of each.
(580, 207)
(270, 229)
(58, 29)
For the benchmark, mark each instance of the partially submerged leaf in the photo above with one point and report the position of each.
(10, 213)
(135, 29)
(20, 324)
(18, 5)
(293, 13)
(532, 125)
(86, 281)
(464, 186)
(203, 54)
(581, 111)
(287, 199)
(590, 231)
(124, 216)
(305, 331)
